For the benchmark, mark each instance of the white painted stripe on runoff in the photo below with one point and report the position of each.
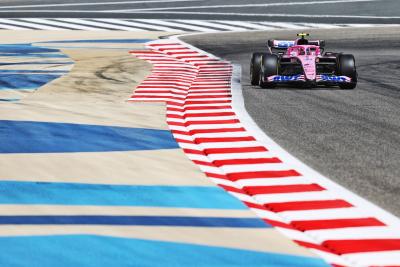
(230, 145)
(221, 135)
(223, 13)
(252, 5)
(209, 82)
(171, 50)
(267, 15)
(324, 214)
(289, 197)
(175, 24)
(382, 258)
(210, 169)
(173, 64)
(295, 235)
(266, 214)
(224, 182)
(243, 197)
(61, 24)
(247, 155)
(183, 137)
(206, 94)
(159, 80)
(164, 25)
(321, 25)
(212, 126)
(31, 25)
(211, 24)
(250, 25)
(137, 25)
(359, 233)
(256, 167)
(172, 88)
(10, 27)
(213, 119)
(198, 157)
(189, 146)
(163, 95)
(204, 111)
(282, 25)
(100, 24)
(144, 91)
(97, 3)
(274, 181)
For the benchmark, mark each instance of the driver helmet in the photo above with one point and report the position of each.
(302, 40)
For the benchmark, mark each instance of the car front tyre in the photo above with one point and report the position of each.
(255, 68)
(269, 67)
(347, 67)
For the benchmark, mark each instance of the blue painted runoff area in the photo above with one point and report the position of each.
(101, 41)
(21, 79)
(24, 49)
(183, 221)
(25, 81)
(95, 251)
(52, 137)
(37, 63)
(201, 197)
(34, 71)
(35, 55)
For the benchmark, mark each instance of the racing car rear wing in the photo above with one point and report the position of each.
(284, 44)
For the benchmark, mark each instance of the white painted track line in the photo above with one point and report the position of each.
(101, 24)
(31, 25)
(179, 25)
(96, 4)
(212, 25)
(140, 25)
(62, 24)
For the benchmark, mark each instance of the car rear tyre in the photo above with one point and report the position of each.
(255, 67)
(347, 67)
(269, 67)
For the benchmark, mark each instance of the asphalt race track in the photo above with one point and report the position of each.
(351, 136)
(315, 11)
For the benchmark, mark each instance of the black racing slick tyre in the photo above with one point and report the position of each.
(255, 67)
(347, 67)
(269, 67)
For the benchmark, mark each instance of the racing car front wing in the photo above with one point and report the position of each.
(301, 78)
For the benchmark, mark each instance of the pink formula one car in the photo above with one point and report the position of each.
(303, 62)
